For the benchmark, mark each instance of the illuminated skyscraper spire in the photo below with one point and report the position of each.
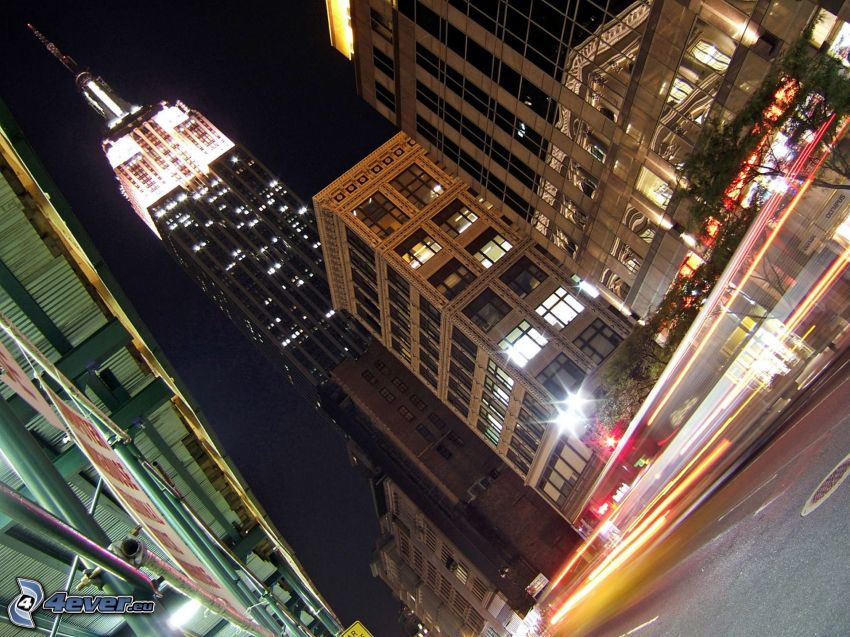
(94, 88)
(250, 243)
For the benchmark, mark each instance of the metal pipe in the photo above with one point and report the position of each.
(134, 550)
(257, 585)
(219, 554)
(72, 571)
(49, 489)
(167, 510)
(37, 519)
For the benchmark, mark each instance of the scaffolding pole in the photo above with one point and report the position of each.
(49, 489)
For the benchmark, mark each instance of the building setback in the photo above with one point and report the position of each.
(249, 242)
(479, 313)
(573, 116)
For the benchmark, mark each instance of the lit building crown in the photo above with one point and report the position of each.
(170, 148)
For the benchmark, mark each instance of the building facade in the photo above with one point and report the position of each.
(500, 527)
(56, 292)
(249, 242)
(477, 311)
(573, 117)
(433, 578)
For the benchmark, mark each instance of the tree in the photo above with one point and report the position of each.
(804, 91)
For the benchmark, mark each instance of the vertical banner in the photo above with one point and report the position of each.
(13, 376)
(124, 487)
(79, 421)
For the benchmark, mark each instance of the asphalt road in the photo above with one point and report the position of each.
(747, 563)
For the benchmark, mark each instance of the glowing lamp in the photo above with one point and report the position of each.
(182, 615)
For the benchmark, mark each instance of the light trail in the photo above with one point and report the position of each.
(647, 530)
(692, 477)
(640, 626)
(821, 287)
(586, 589)
(581, 551)
(645, 527)
(762, 219)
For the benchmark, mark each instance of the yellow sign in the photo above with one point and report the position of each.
(356, 630)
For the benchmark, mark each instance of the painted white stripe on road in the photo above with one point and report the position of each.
(643, 625)
(752, 493)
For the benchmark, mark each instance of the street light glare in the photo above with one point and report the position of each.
(570, 418)
(183, 614)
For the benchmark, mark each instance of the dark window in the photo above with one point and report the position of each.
(487, 310)
(444, 451)
(383, 63)
(438, 422)
(598, 341)
(425, 432)
(382, 25)
(523, 276)
(561, 376)
(384, 96)
(451, 279)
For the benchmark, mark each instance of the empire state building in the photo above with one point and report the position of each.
(250, 243)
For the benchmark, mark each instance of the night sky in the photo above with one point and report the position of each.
(265, 74)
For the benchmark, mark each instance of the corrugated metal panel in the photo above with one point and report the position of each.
(128, 372)
(69, 303)
(168, 424)
(17, 564)
(10, 309)
(61, 294)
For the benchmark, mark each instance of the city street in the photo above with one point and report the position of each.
(747, 562)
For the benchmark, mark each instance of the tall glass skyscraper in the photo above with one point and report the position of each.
(250, 243)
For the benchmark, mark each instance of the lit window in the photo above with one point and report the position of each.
(455, 218)
(489, 247)
(523, 343)
(679, 91)
(418, 249)
(711, 56)
(655, 188)
(560, 308)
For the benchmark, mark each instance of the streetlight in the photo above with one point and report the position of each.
(570, 418)
(182, 615)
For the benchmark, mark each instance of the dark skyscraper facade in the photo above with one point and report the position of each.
(248, 241)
